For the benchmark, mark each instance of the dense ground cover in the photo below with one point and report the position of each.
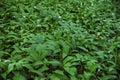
(59, 40)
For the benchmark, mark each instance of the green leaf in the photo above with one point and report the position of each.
(87, 75)
(43, 68)
(107, 77)
(59, 72)
(53, 77)
(10, 68)
(91, 65)
(37, 63)
(19, 76)
(73, 78)
(55, 63)
(71, 70)
(83, 48)
(65, 48)
(2, 53)
(68, 60)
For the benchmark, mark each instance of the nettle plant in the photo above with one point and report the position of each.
(59, 40)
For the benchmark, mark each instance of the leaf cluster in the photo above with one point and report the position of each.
(59, 40)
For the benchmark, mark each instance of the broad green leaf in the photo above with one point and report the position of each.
(59, 72)
(71, 70)
(19, 76)
(10, 68)
(55, 63)
(68, 60)
(54, 77)
(65, 48)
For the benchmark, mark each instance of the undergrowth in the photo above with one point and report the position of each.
(59, 40)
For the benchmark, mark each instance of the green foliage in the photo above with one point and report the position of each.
(59, 40)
